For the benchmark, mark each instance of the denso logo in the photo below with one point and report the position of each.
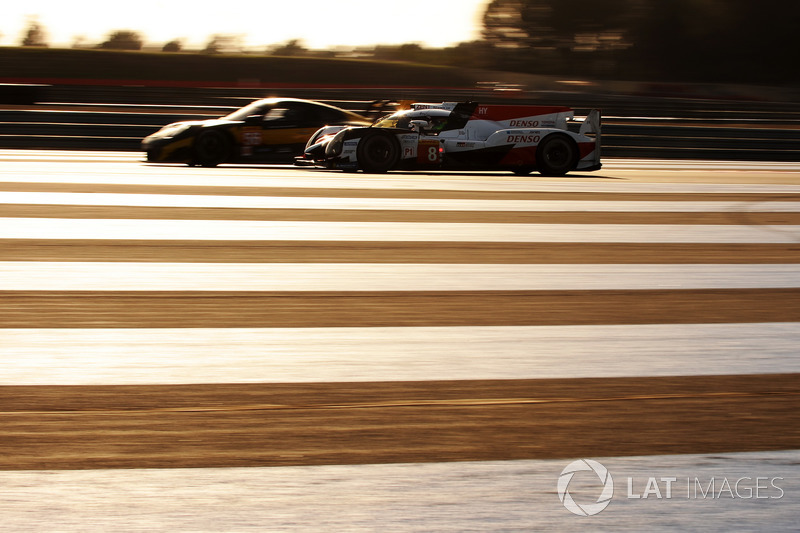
(523, 123)
(526, 139)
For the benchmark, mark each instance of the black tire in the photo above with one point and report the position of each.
(211, 148)
(556, 155)
(377, 152)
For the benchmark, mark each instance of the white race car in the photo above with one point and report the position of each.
(463, 136)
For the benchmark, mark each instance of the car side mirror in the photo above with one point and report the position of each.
(254, 120)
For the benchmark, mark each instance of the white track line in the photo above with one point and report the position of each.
(239, 230)
(442, 497)
(608, 162)
(134, 173)
(38, 356)
(405, 204)
(289, 177)
(137, 276)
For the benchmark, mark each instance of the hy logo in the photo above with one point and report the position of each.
(586, 509)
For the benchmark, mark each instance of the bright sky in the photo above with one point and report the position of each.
(318, 23)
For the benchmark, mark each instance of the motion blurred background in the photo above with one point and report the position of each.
(581, 42)
(700, 79)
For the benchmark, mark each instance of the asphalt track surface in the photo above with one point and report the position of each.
(80, 226)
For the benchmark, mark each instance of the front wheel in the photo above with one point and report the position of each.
(556, 155)
(378, 152)
(211, 148)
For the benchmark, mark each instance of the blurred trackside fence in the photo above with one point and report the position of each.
(117, 117)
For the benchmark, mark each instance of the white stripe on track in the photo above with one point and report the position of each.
(442, 497)
(138, 276)
(281, 178)
(132, 172)
(404, 204)
(610, 163)
(240, 230)
(124, 356)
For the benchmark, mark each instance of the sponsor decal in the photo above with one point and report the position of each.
(447, 106)
(251, 136)
(523, 124)
(523, 139)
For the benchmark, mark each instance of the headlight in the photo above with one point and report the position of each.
(314, 139)
(336, 145)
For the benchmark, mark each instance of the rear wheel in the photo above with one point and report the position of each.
(378, 152)
(211, 148)
(556, 155)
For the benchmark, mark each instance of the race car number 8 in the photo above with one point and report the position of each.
(428, 152)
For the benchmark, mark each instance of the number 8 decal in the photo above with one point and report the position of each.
(433, 153)
(428, 152)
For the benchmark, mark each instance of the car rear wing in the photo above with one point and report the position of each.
(590, 127)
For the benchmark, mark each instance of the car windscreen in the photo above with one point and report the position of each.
(402, 119)
(395, 120)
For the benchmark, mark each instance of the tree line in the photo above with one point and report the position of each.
(744, 41)
(694, 40)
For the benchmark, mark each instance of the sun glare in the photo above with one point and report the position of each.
(317, 23)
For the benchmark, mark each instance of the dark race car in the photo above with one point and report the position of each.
(273, 130)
